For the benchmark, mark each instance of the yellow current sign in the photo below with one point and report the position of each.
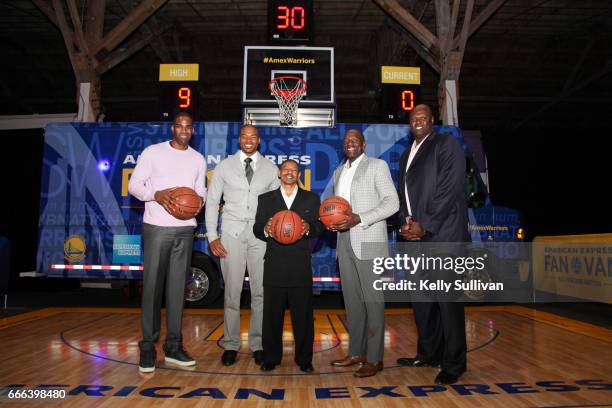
(400, 75)
(179, 72)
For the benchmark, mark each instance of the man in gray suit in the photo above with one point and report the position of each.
(240, 179)
(366, 183)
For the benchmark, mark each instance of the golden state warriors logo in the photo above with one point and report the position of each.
(74, 248)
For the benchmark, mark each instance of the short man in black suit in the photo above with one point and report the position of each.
(433, 210)
(287, 269)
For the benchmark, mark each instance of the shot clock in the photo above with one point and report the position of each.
(397, 100)
(400, 93)
(179, 90)
(290, 21)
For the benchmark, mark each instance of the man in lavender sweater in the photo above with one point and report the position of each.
(167, 240)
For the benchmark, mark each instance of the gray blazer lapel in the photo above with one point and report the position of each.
(237, 164)
(258, 167)
(360, 172)
(361, 169)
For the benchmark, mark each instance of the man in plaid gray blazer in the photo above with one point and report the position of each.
(366, 183)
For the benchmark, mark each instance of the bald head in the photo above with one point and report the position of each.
(354, 144)
(355, 132)
(421, 122)
(422, 108)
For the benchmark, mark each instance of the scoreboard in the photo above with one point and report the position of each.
(179, 89)
(400, 93)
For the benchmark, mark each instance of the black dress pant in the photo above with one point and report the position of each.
(299, 300)
(441, 335)
(167, 256)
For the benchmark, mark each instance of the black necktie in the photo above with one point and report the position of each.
(248, 170)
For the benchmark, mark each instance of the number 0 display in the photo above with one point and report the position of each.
(407, 100)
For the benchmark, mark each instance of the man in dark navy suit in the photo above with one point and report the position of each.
(287, 269)
(433, 210)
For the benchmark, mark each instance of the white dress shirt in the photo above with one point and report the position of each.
(413, 151)
(254, 158)
(346, 178)
(289, 198)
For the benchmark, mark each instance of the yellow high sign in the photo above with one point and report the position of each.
(179, 72)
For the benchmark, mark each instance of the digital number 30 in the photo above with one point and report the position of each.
(293, 17)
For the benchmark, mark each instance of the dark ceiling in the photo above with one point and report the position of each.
(534, 60)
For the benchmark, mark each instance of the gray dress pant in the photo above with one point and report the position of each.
(365, 306)
(167, 257)
(243, 252)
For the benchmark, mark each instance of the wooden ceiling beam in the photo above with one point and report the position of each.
(78, 28)
(152, 27)
(160, 48)
(454, 18)
(424, 43)
(67, 34)
(465, 28)
(414, 26)
(123, 53)
(94, 25)
(480, 19)
(47, 9)
(429, 57)
(443, 25)
(127, 26)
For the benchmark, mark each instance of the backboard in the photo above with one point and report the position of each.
(315, 65)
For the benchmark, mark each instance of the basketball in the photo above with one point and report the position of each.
(186, 203)
(286, 227)
(334, 209)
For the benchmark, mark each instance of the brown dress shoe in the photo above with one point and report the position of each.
(369, 369)
(349, 361)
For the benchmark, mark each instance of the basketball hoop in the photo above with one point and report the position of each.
(288, 91)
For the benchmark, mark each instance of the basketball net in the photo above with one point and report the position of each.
(288, 91)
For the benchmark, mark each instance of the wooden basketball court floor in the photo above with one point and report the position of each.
(517, 357)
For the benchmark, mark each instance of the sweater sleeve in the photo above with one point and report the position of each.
(140, 182)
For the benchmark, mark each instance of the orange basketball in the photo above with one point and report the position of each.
(334, 209)
(286, 227)
(186, 203)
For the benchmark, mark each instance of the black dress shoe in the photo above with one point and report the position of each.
(444, 378)
(307, 368)
(229, 357)
(267, 367)
(414, 362)
(258, 356)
